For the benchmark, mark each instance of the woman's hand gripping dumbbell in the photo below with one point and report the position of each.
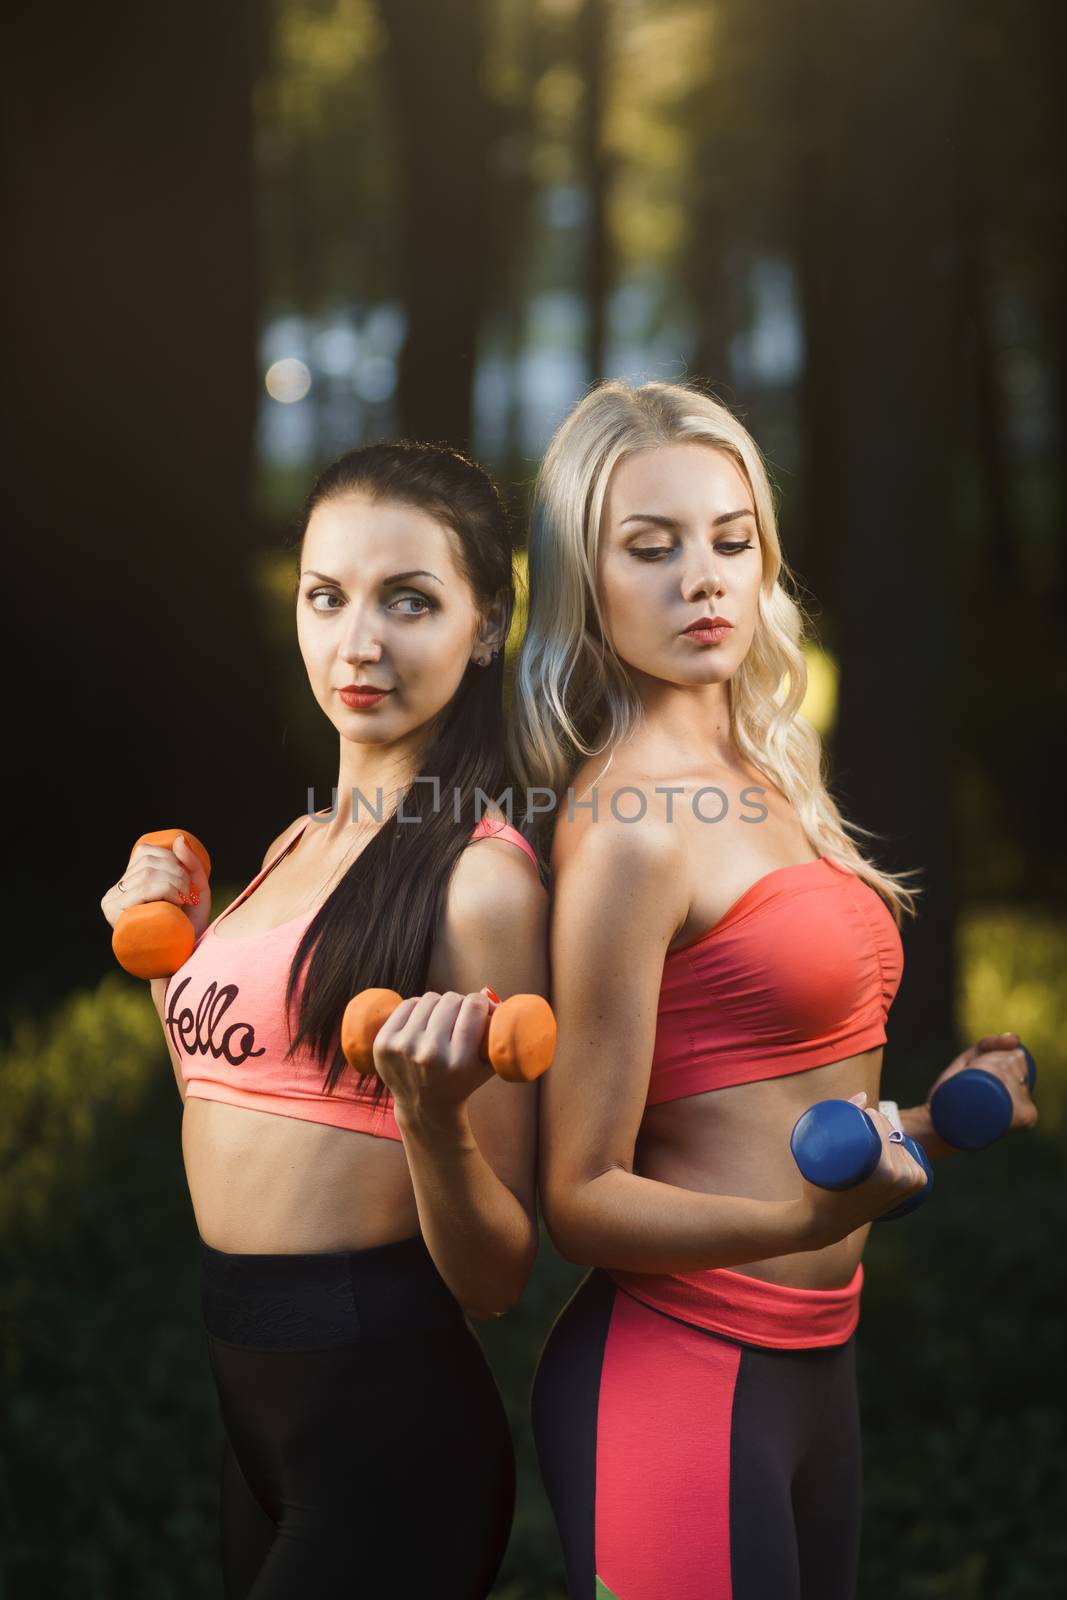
(515, 1037)
(860, 1158)
(161, 904)
(971, 1106)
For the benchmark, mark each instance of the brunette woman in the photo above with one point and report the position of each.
(349, 1227)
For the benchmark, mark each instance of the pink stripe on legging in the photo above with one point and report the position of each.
(663, 1458)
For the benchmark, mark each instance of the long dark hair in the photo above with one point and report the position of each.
(377, 928)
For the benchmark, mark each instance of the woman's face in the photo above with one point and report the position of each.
(382, 603)
(679, 543)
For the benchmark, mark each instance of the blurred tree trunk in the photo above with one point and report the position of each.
(1003, 557)
(986, 415)
(1054, 123)
(814, 93)
(512, 239)
(893, 278)
(592, 43)
(136, 692)
(443, 124)
(711, 305)
(712, 250)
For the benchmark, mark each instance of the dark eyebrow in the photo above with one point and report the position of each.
(396, 577)
(670, 523)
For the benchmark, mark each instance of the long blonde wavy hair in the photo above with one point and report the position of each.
(569, 681)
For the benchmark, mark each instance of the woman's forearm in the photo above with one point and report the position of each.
(918, 1125)
(635, 1224)
(479, 1233)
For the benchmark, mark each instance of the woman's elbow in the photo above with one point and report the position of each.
(507, 1302)
(490, 1314)
(564, 1225)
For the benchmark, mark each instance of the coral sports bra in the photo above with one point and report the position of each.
(801, 971)
(225, 1015)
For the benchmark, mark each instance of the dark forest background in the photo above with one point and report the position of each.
(241, 238)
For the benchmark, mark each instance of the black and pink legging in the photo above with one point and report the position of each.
(682, 1464)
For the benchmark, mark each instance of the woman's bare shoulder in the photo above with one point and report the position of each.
(283, 838)
(627, 807)
(619, 835)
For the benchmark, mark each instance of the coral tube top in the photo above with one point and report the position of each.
(224, 1012)
(801, 971)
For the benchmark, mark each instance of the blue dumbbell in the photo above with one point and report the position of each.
(836, 1145)
(973, 1108)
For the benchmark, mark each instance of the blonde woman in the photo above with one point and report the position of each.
(723, 957)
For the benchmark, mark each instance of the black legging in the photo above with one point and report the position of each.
(367, 1451)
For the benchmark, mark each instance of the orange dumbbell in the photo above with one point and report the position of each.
(519, 1040)
(154, 939)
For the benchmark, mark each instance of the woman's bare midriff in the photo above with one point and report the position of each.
(262, 1184)
(736, 1141)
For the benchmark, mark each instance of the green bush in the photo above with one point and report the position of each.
(1013, 965)
(960, 1341)
(108, 1484)
(112, 1443)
